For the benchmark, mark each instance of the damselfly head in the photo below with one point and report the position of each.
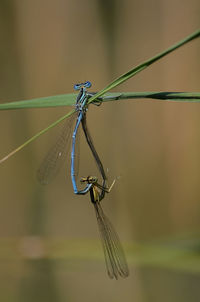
(89, 179)
(78, 86)
(92, 179)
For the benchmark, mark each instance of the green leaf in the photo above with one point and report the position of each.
(155, 95)
(49, 101)
(70, 99)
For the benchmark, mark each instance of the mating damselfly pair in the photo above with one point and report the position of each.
(114, 256)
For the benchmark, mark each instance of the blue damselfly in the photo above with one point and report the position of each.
(57, 154)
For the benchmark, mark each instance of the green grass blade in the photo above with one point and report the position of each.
(49, 101)
(155, 95)
(70, 99)
(144, 65)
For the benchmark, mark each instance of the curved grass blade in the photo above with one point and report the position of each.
(114, 255)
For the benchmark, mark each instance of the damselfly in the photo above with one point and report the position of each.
(114, 255)
(57, 154)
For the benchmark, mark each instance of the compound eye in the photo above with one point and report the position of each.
(94, 179)
(77, 86)
(87, 84)
(90, 179)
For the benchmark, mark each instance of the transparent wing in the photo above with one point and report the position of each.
(77, 155)
(114, 255)
(57, 154)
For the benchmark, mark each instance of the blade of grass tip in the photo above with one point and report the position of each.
(144, 65)
(36, 136)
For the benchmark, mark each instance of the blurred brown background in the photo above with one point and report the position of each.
(49, 245)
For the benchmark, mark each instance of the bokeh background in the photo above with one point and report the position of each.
(49, 244)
